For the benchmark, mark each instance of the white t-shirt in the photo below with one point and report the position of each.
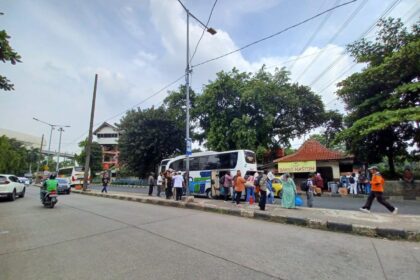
(310, 184)
(178, 179)
(159, 180)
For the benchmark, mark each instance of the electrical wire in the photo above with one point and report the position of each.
(204, 30)
(337, 33)
(367, 31)
(413, 15)
(320, 26)
(294, 59)
(354, 64)
(136, 105)
(338, 77)
(275, 34)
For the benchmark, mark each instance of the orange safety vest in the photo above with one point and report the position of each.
(377, 183)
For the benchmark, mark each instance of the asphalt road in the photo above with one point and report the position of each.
(341, 203)
(87, 237)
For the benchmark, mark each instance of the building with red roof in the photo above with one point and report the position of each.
(312, 156)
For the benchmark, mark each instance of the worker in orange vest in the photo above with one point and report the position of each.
(377, 184)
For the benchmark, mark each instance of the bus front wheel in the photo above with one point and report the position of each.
(208, 194)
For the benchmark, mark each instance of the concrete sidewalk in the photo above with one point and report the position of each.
(405, 227)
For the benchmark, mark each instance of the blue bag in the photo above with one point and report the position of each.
(298, 201)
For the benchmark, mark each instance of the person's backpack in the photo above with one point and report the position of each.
(304, 186)
(351, 180)
(257, 181)
(222, 180)
(262, 182)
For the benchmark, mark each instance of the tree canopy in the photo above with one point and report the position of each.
(95, 163)
(7, 54)
(15, 158)
(147, 137)
(383, 100)
(260, 111)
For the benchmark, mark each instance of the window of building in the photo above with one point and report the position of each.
(107, 135)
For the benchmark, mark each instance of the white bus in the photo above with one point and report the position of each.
(207, 167)
(163, 164)
(74, 175)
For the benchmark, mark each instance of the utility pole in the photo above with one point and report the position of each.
(59, 147)
(187, 85)
(40, 154)
(49, 144)
(89, 142)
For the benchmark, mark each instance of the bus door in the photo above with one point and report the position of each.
(219, 184)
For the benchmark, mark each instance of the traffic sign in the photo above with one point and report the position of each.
(189, 150)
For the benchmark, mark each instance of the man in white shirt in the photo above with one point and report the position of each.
(178, 184)
(159, 183)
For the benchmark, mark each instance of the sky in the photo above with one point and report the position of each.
(138, 47)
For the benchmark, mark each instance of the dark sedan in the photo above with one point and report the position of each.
(63, 186)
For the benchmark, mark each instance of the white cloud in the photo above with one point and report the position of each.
(55, 82)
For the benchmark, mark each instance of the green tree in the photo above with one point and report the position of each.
(7, 54)
(66, 163)
(32, 158)
(258, 111)
(13, 156)
(95, 162)
(148, 136)
(175, 105)
(383, 100)
(333, 125)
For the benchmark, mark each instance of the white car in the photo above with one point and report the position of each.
(10, 187)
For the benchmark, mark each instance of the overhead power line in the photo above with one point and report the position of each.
(297, 58)
(204, 30)
(136, 105)
(337, 33)
(275, 34)
(415, 13)
(341, 56)
(338, 77)
(320, 26)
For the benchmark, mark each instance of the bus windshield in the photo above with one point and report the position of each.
(65, 172)
(79, 169)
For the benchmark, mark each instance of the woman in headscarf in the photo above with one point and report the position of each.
(289, 191)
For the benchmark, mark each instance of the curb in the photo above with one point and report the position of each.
(362, 230)
(123, 186)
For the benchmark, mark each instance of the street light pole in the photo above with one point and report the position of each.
(51, 131)
(187, 89)
(187, 85)
(49, 144)
(52, 128)
(40, 154)
(59, 147)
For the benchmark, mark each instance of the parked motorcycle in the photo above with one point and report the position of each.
(50, 199)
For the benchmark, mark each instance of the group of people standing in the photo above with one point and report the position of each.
(169, 181)
(259, 184)
(258, 188)
(356, 183)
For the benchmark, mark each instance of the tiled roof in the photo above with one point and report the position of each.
(312, 150)
(104, 124)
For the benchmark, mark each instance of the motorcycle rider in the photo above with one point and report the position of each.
(48, 186)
